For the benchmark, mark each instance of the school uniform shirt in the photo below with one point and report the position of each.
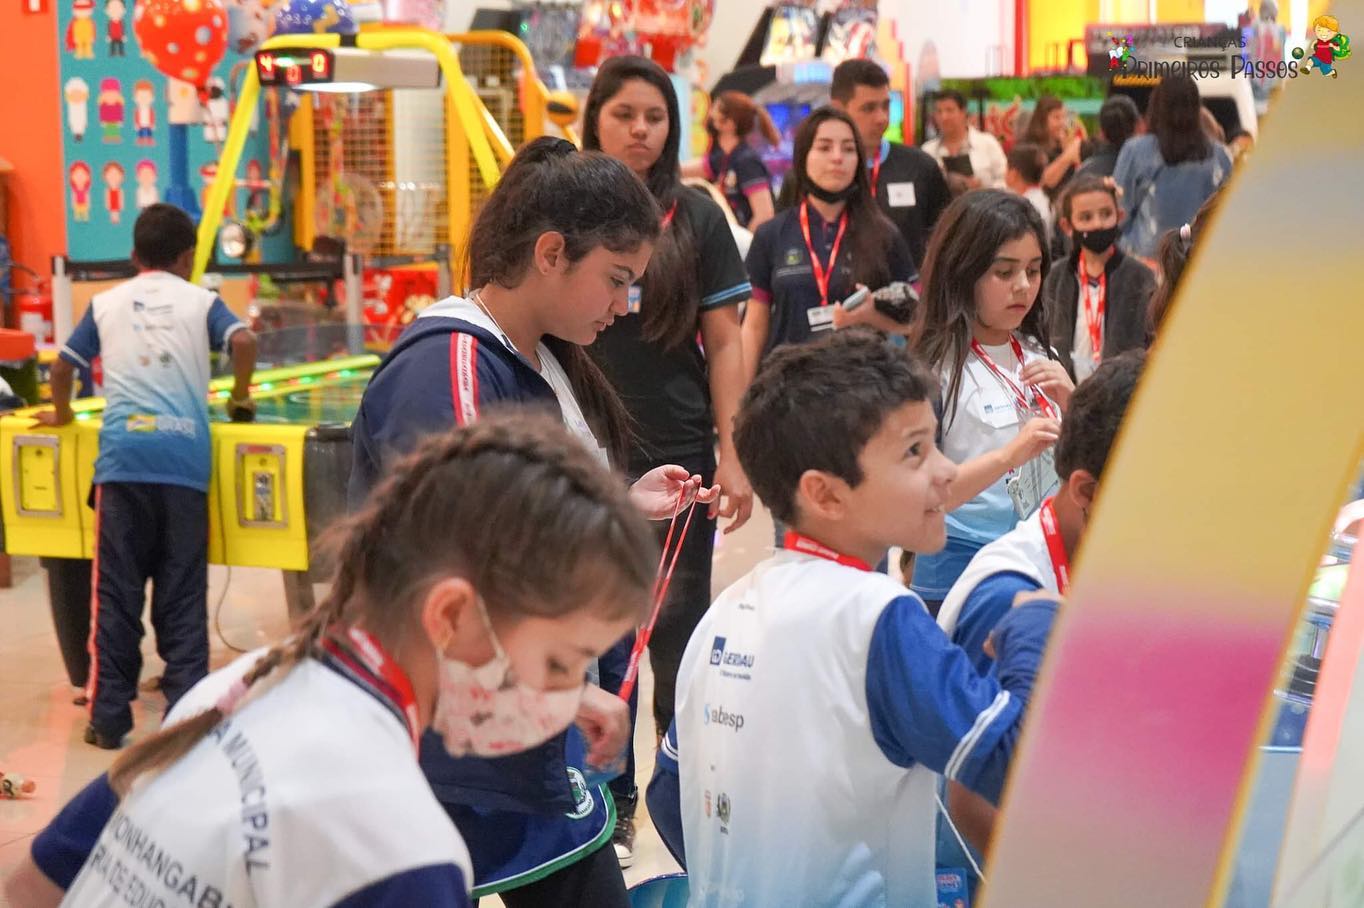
(739, 175)
(1037, 197)
(153, 334)
(911, 190)
(666, 390)
(988, 162)
(817, 704)
(1016, 562)
(1128, 285)
(985, 419)
(309, 794)
(527, 814)
(782, 277)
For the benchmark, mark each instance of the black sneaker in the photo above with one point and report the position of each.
(103, 742)
(624, 841)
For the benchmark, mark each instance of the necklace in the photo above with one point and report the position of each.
(477, 297)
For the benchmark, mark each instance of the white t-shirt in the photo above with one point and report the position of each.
(1082, 355)
(308, 794)
(1038, 197)
(988, 162)
(985, 419)
(550, 369)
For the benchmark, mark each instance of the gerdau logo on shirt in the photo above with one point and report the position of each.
(732, 664)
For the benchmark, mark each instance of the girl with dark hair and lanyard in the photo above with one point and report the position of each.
(552, 257)
(681, 395)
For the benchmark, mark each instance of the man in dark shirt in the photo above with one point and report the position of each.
(908, 184)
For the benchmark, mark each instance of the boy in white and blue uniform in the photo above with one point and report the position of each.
(153, 334)
(818, 702)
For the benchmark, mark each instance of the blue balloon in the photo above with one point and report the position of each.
(315, 17)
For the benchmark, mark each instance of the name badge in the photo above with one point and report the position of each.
(821, 317)
(900, 195)
(632, 303)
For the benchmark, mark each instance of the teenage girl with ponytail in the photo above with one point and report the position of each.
(552, 258)
(734, 165)
(290, 777)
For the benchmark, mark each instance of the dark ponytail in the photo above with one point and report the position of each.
(670, 293)
(475, 503)
(592, 200)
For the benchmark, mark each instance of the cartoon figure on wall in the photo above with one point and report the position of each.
(80, 33)
(111, 110)
(77, 95)
(115, 11)
(216, 112)
(147, 193)
(207, 174)
(79, 178)
(113, 190)
(144, 111)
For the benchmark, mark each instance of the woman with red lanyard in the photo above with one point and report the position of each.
(1003, 393)
(680, 399)
(734, 165)
(816, 253)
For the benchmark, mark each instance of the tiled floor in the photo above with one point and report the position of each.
(40, 728)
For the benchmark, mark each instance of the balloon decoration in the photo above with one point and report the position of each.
(184, 39)
(315, 17)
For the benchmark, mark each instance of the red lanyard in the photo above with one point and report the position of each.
(668, 217)
(1021, 398)
(795, 542)
(821, 273)
(1060, 562)
(1094, 309)
(365, 656)
(661, 583)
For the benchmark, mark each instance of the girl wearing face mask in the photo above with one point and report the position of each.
(679, 398)
(832, 241)
(290, 777)
(734, 165)
(1003, 394)
(552, 256)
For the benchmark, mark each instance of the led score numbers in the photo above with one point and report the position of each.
(294, 67)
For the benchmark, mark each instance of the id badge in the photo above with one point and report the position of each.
(900, 195)
(1033, 484)
(821, 317)
(998, 411)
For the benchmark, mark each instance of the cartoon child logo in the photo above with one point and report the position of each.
(1330, 47)
(147, 193)
(111, 110)
(113, 190)
(76, 92)
(80, 33)
(79, 178)
(144, 111)
(115, 11)
(1120, 51)
(216, 111)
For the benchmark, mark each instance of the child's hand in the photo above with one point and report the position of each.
(1052, 378)
(1037, 434)
(56, 417)
(604, 720)
(656, 492)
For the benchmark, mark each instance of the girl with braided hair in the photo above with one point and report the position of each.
(552, 257)
(252, 794)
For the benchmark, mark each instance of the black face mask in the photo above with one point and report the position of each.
(1097, 241)
(825, 195)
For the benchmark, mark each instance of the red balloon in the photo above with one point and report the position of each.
(184, 39)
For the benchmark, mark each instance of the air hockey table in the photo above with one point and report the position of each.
(277, 483)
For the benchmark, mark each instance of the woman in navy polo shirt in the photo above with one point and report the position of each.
(813, 255)
(734, 165)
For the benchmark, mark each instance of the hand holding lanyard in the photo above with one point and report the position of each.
(661, 583)
(1026, 398)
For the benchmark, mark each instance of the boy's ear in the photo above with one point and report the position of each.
(1082, 487)
(1064, 223)
(820, 494)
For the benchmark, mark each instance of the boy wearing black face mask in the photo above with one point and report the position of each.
(1096, 303)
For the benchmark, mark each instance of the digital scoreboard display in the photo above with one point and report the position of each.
(292, 67)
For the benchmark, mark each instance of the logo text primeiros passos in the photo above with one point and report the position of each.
(1331, 47)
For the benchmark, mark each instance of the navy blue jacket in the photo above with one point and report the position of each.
(446, 372)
